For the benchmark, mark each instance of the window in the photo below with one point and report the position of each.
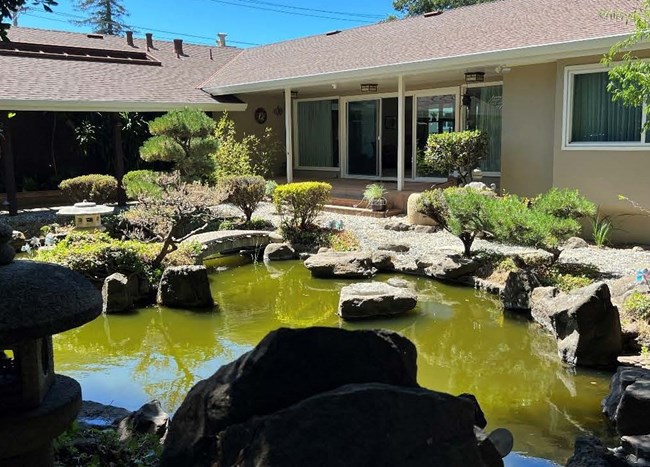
(592, 119)
(318, 134)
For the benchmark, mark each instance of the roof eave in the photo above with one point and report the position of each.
(512, 57)
(26, 105)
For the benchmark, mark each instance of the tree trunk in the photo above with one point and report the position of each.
(167, 247)
(8, 161)
(118, 159)
(467, 240)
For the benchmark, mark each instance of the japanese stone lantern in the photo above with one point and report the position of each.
(87, 215)
(37, 300)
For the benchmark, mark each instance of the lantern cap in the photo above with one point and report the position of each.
(41, 299)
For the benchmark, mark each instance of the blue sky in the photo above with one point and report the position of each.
(245, 21)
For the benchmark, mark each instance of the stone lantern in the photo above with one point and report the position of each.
(37, 300)
(87, 215)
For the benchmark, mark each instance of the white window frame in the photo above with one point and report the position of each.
(463, 116)
(296, 130)
(567, 117)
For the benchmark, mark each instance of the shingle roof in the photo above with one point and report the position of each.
(60, 82)
(479, 29)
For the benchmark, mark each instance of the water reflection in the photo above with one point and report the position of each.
(465, 344)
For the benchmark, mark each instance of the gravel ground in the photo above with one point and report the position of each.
(371, 233)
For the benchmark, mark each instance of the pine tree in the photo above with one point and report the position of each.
(105, 16)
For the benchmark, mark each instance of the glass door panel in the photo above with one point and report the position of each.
(363, 135)
(435, 114)
(484, 113)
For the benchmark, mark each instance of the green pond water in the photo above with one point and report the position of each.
(465, 344)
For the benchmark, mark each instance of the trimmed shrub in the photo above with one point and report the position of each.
(94, 187)
(271, 185)
(96, 256)
(245, 192)
(139, 183)
(454, 152)
(302, 202)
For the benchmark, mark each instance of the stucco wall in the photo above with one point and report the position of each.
(602, 175)
(245, 123)
(527, 144)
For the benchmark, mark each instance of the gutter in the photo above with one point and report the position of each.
(19, 105)
(512, 57)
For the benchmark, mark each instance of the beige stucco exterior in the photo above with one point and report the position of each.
(603, 175)
(245, 123)
(528, 125)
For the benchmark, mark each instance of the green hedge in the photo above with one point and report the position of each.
(94, 187)
(301, 202)
(97, 256)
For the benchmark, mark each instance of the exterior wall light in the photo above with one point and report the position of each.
(474, 77)
(368, 88)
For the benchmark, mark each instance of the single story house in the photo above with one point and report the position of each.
(360, 103)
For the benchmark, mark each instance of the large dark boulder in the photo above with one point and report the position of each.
(633, 411)
(364, 424)
(590, 452)
(279, 252)
(116, 294)
(148, 419)
(185, 287)
(332, 264)
(375, 299)
(518, 290)
(585, 323)
(286, 367)
(622, 379)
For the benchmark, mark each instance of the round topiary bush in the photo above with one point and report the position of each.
(94, 187)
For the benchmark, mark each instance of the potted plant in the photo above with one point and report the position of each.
(374, 195)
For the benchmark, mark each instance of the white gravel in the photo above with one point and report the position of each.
(371, 233)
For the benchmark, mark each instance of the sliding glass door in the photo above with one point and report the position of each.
(363, 136)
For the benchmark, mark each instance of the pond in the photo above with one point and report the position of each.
(465, 344)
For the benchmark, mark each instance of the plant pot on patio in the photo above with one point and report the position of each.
(374, 196)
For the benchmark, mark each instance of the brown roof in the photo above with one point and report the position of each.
(28, 82)
(504, 25)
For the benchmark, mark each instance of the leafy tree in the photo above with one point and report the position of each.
(245, 192)
(185, 138)
(9, 7)
(173, 210)
(105, 16)
(248, 155)
(630, 80)
(419, 7)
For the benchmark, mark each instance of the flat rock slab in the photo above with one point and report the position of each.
(448, 266)
(375, 299)
(332, 264)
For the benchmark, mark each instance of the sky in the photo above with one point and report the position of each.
(247, 22)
